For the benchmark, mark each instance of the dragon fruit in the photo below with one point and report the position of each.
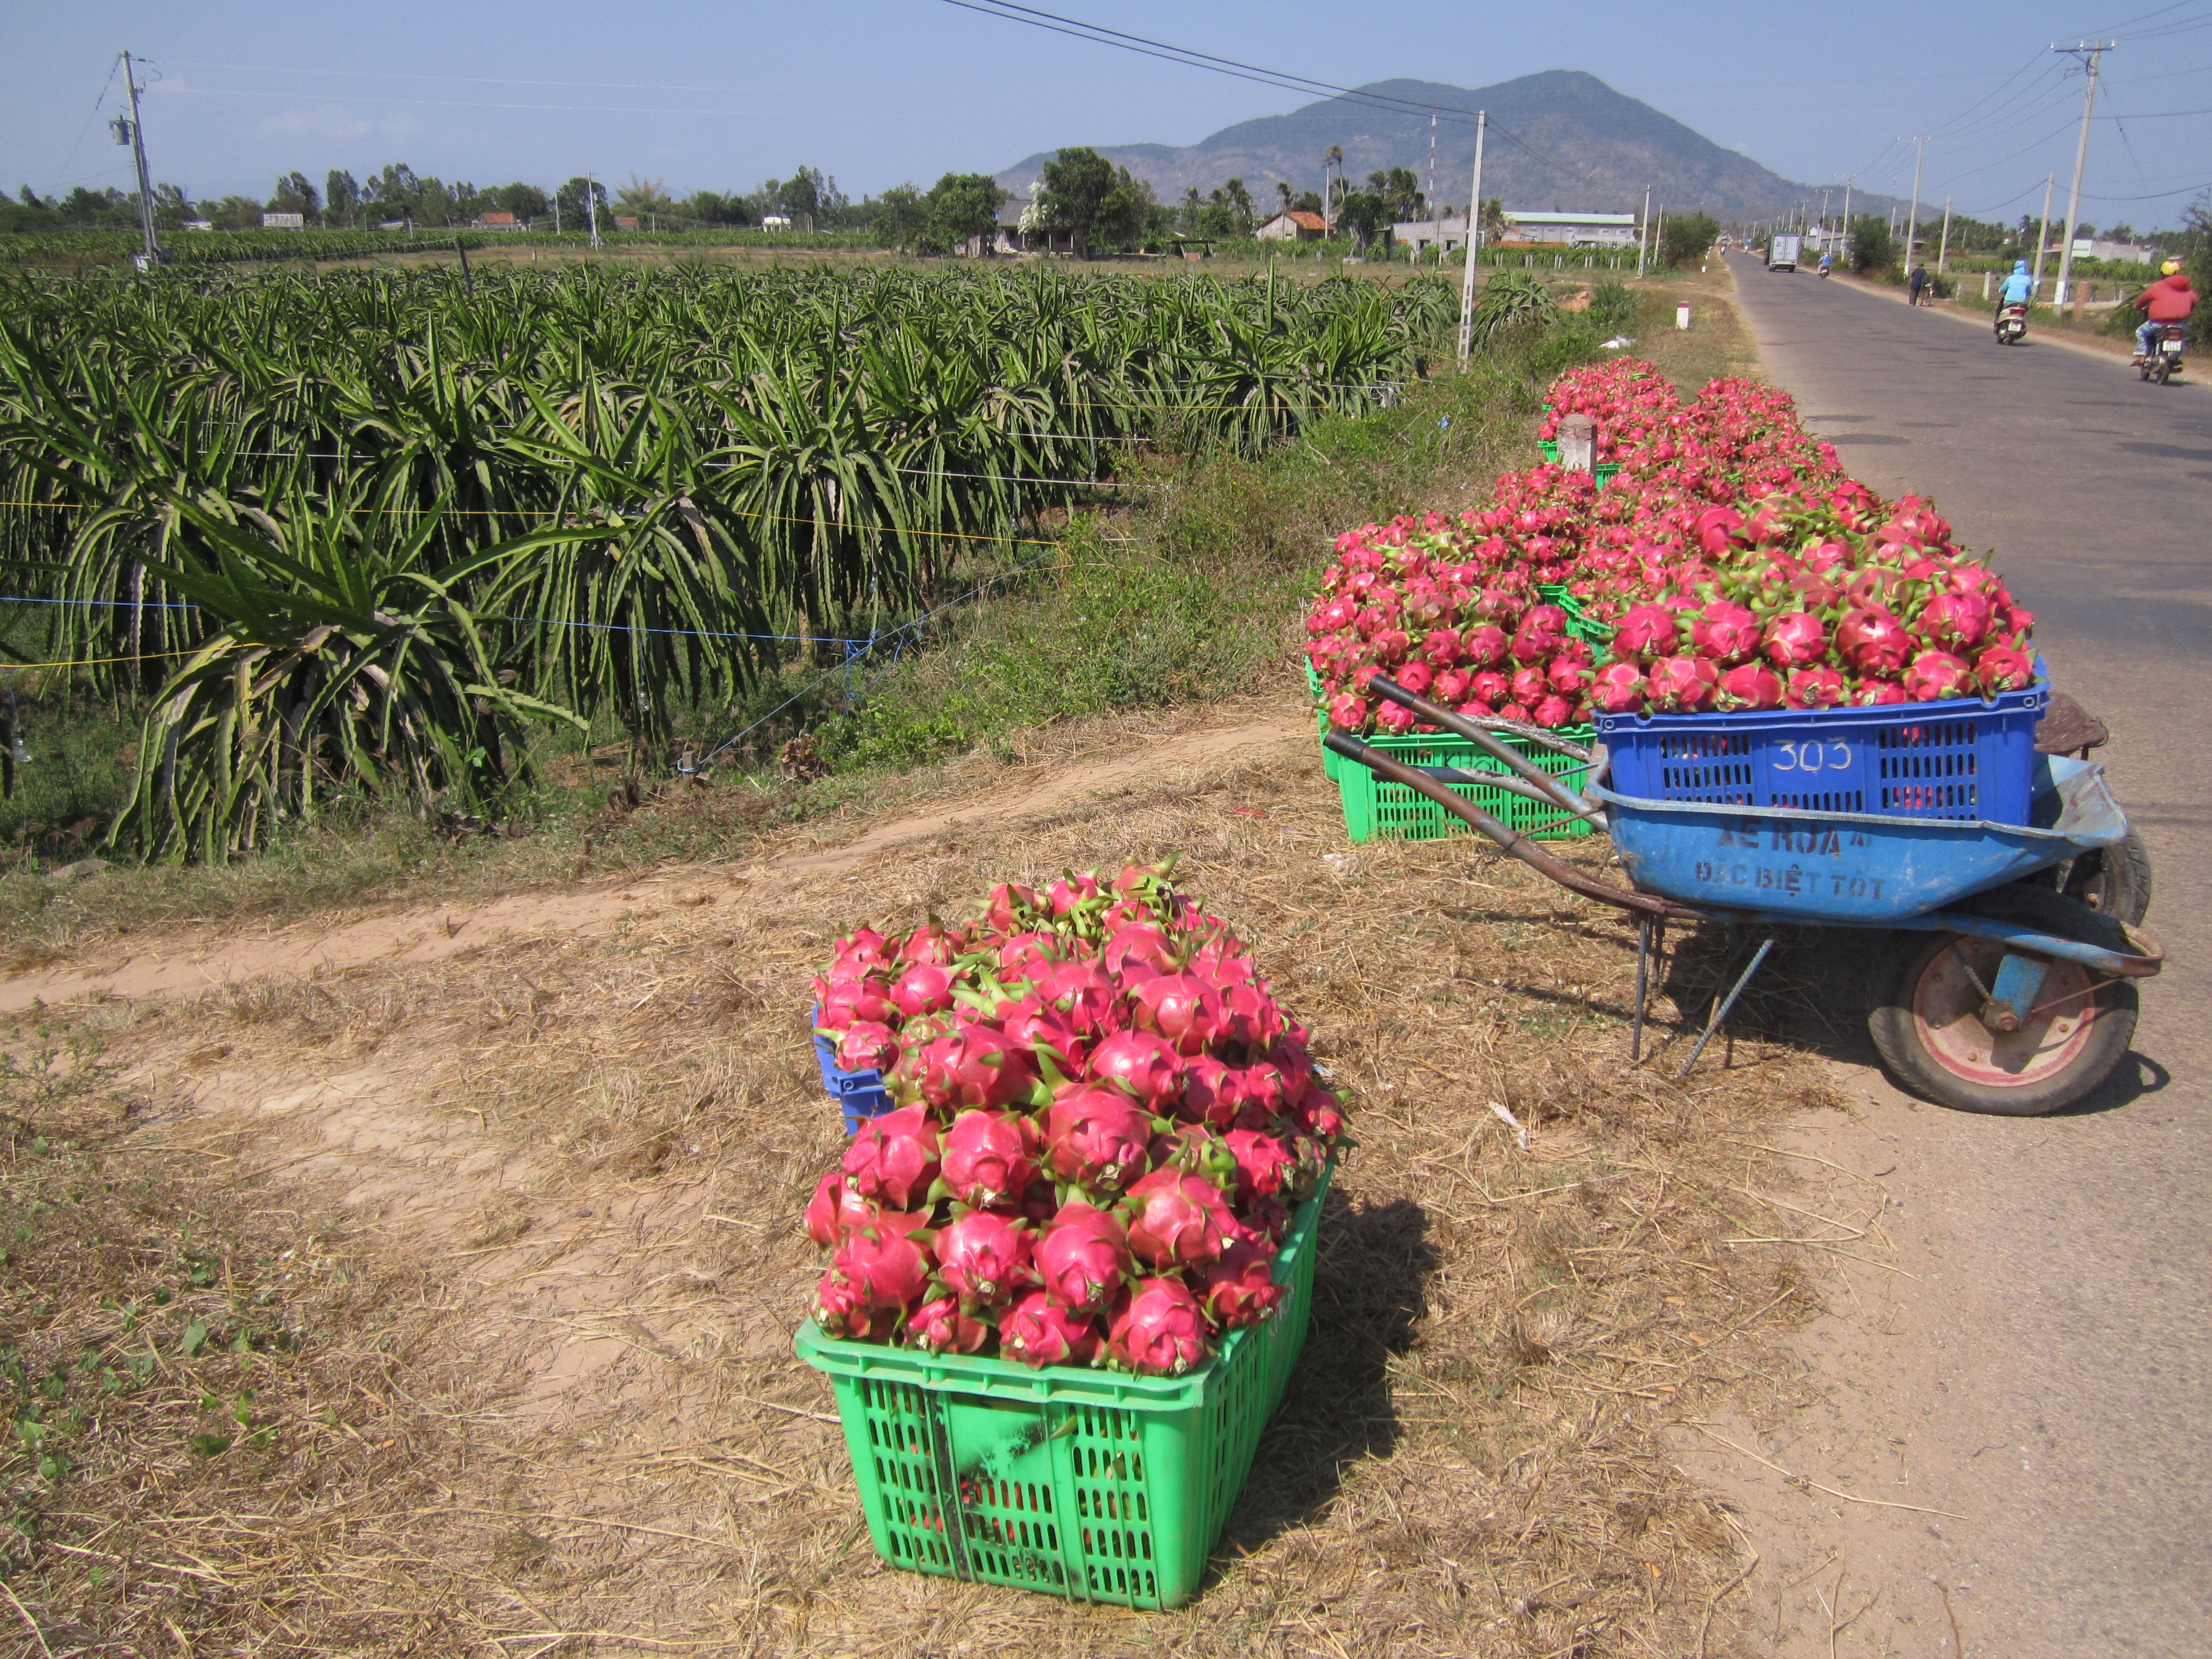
(894, 1157)
(942, 1326)
(972, 1065)
(877, 1270)
(1873, 641)
(1748, 686)
(1619, 688)
(1038, 1331)
(851, 1001)
(1095, 1138)
(2002, 668)
(1724, 633)
(1935, 676)
(991, 1157)
(1682, 685)
(984, 1257)
(1795, 639)
(867, 1046)
(926, 988)
(1262, 1163)
(1816, 687)
(1176, 1219)
(1142, 1065)
(1083, 1256)
(1182, 1008)
(1239, 1289)
(1159, 1329)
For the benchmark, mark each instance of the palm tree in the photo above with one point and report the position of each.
(1282, 190)
(1331, 157)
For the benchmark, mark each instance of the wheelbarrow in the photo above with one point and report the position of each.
(2009, 991)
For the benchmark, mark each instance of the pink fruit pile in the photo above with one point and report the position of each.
(1102, 1122)
(1736, 566)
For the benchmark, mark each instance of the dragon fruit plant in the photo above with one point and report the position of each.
(1736, 565)
(1102, 1122)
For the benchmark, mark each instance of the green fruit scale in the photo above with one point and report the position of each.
(1093, 1485)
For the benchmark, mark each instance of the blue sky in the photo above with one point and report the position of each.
(878, 91)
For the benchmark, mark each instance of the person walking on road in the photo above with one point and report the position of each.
(1916, 285)
(2169, 299)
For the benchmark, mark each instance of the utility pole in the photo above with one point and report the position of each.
(2042, 231)
(128, 130)
(1913, 225)
(1474, 244)
(592, 206)
(1644, 230)
(1849, 179)
(1944, 247)
(2089, 54)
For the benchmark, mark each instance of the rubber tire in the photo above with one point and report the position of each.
(1896, 977)
(2113, 881)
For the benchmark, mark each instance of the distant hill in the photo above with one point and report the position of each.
(1581, 146)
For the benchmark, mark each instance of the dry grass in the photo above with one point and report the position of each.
(538, 1397)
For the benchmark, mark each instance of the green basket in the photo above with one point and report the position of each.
(1604, 470)
(1376, 809)
(1090, 1484)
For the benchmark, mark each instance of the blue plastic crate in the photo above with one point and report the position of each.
(1966, 759)
(860, 1094)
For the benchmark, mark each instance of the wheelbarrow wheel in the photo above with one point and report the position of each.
(1924, 1014)
(2114, 881)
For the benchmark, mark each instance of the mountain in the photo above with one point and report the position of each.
(1558, 141)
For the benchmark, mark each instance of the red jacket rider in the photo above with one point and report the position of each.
(2169, 299)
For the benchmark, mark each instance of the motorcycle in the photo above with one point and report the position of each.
(2012, 324)
(2163, 362)
(1824, 271)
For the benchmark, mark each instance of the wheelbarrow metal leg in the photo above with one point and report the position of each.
(1650, 942)
(1720, 1009)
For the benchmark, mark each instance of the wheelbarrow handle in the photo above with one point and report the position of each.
(1514, 843)
(1387, 689)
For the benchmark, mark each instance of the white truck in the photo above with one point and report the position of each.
(1781, 251)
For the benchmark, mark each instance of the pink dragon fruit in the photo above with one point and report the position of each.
(1529, 687)
(972, 1065)
(1879, 694)
(894, 1157)
(867, 1046)
(1071, 892)
(1159, 1329)
(1083, 1256)
(1551, 712)
(1415, 676)
(853, 999)
(1009, 907)
(1239, 1289)
(1815, 688)
(1442, 648)
(1212, 1092)
(1263, 1163)
(1083, 992)
(1619, 688)
(841, 1309)
(1683, 685)
(1567, 675)
(1648, 630)
(1936, 676)
(1957, 622)
(1180, 1007)
(1038, 1331)
(1541, 632)
(1748, 686)
(1096, 1136)
(1142, 1065)
(1176, 1219)
(1450, 687)
(1491, 687)
(984, 1257)
(991, 1157)
(1140, 946)
(1795, 639)
(1873, 641)
(930, 943)
(881, 1270)
(926, 988)
(2002, 668)
(1395, 718)
(1486, 646)
(1348, 712)
(942, 1326)
(1725, 632)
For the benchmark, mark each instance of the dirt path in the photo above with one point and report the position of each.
(205, 959)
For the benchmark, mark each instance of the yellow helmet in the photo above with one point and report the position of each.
(2171, 268)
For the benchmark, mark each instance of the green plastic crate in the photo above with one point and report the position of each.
(1376, 809)
(1603, 469)
(1090, 1484)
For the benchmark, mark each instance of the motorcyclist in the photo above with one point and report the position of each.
(1828, 264)
(2169, 299)
(2017, 290)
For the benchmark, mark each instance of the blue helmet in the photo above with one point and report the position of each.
(2019, 267)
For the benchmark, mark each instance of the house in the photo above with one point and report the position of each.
(284, 221)
(1572, 229)
(775, 222)
(625, 221)
(1022, 229)
(2086, 247)
(1295, 226)
(499, 221)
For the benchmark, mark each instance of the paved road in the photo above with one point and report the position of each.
(2064, 1302)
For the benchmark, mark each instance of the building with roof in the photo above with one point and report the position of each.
(1525, 229)
(496, 220)
(1298, 225)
